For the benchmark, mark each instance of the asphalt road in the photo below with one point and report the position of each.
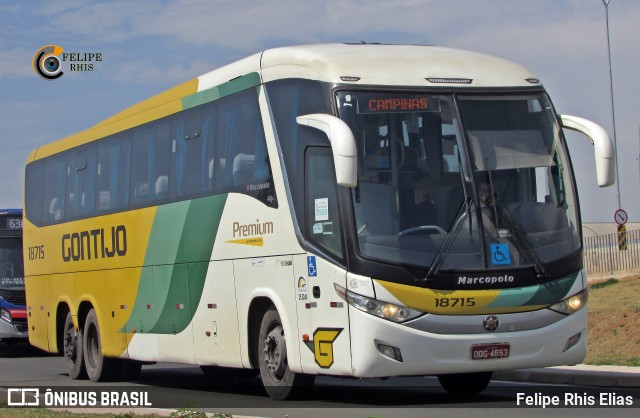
(170, 385)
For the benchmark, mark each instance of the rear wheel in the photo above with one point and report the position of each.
(465, 383)
(278, 380)
(99, 368)
(73, 349)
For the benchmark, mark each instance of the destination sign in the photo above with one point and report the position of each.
(396, 103)
(11, 223)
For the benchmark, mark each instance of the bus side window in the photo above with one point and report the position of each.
(112, 177)
(322, 215)
(54, 188)
(243, 164)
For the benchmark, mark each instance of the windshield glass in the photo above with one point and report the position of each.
(11, 266)
(471, 182)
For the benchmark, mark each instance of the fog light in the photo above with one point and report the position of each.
(389, 351)
(572, 341)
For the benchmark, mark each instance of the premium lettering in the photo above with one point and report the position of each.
(95, 244)
(251, 230)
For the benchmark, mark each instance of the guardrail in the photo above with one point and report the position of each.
(602, 255)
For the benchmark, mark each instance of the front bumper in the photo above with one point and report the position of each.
(16, 330)
(425, 353)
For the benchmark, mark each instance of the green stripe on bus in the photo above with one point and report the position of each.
(553, 292)
(231, 87)
(180, 246)
(543, 294)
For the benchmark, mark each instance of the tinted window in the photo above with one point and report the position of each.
(216, 147)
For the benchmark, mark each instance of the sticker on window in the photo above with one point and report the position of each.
(500, 254)
(322, 209)
(323, 228)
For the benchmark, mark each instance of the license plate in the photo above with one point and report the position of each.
(490, 351)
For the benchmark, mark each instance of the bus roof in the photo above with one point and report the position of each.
(10, 212)
(356, 64)
(393, 65)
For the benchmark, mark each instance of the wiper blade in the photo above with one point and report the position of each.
(450, 238)
(521, 240)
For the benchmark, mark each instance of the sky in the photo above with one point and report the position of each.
(148, 46)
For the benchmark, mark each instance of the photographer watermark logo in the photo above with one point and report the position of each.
(23, 397)
(48, 61)
(77, 397)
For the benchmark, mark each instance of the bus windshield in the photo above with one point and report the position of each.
(464, 182)
(11, 268)
(11, 265)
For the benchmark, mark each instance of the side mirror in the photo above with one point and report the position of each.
(343, 144)
(604, 150)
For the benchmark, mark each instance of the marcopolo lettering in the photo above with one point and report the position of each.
(485, 280)
(95, 244)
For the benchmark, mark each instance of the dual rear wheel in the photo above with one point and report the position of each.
(82, 349)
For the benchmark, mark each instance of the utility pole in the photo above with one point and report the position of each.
(613, 112)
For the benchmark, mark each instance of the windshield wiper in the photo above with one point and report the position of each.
(520, 239)
(465, 209)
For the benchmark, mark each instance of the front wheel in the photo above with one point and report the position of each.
(278, 380)
(99, 368)
(465, 383)
(72, 343)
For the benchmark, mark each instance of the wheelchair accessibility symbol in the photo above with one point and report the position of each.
(311, 265)
(500, 254)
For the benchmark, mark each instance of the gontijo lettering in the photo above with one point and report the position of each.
(94, 244)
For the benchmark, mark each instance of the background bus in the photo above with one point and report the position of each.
(13, 314)
(350, 210)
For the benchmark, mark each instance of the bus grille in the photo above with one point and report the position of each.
(17, 298)
(20, 324)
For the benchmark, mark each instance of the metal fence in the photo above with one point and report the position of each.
(603, 256)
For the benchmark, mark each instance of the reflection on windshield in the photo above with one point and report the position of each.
(478, 183)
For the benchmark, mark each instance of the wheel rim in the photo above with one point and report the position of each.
(71, 344)
(275, 353)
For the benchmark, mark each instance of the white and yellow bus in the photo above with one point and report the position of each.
(348, 210)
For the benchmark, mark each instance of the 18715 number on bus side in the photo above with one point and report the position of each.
(36, 252)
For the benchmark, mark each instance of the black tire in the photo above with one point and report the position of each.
(465, 383)
(73, 349)
(99, 368)
(278, 380)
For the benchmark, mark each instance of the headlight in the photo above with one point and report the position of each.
(571, 304)
(384, 310)
(5, 315)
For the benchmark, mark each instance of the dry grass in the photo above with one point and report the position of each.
(614, 322)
